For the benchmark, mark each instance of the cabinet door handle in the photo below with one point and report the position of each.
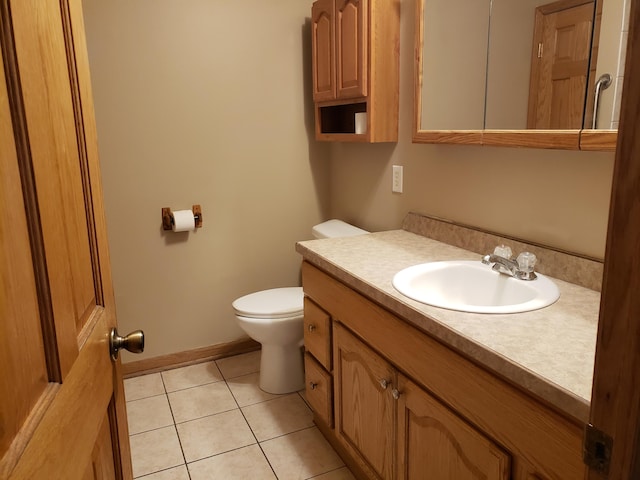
(312, 328)
(313, 385)
(384, 383)
(395, 393)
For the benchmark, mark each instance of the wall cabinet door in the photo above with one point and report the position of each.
(364, 406)
(433, 442)
(351, 56)
(339, 39)
(323, 50)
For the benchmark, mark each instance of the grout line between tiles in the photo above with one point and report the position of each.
(142, 477)
(175, 427)
(257, 442)
(253, 433)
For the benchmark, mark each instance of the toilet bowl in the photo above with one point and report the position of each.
(275, 317)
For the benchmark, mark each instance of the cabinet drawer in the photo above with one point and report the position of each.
(317, 333)
(319, 389)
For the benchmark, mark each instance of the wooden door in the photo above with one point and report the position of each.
(615, 405)
(560, 64)
(363, 405)
(351, 44)
(433, 442)
(323, 50)
(62, 406)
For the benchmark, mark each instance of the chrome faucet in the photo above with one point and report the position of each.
(521, 268)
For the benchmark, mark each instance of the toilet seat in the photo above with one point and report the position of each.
(271, 304)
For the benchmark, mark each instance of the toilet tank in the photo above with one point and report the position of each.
(336, 228)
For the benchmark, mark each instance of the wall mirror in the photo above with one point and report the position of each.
(519, 73)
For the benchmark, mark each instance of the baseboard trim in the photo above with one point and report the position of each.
(189, 357)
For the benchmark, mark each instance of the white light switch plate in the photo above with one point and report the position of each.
(396, 186)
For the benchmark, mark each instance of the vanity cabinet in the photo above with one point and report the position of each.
(355, 63)
(405, 406)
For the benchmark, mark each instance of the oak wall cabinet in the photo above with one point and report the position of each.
(407, 407)
(355, 61)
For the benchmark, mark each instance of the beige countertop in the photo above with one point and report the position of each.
(548, 352)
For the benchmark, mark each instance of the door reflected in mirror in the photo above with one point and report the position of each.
(538, 64)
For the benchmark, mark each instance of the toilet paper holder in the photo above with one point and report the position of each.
(167, 217)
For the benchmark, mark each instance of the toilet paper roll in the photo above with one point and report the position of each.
(361, 122)
(183, 221)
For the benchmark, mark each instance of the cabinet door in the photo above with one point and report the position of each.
(351, 43)
(323, 48)
(364, 407)
(433, 442)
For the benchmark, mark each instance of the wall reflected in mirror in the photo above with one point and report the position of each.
(485, 64)
(454, 64)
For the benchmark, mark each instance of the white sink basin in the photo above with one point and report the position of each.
(471, 286)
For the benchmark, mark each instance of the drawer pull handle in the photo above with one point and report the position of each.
(313, 385)
(395, 393)
(312, 328)
(384, 383)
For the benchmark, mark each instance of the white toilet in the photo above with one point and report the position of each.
(275, 319)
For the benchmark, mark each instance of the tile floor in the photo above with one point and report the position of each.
(212, 421)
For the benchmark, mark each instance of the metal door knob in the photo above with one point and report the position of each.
(134, 342)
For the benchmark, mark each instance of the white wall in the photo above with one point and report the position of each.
(206, 102)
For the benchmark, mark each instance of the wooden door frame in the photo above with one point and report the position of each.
(615, 401)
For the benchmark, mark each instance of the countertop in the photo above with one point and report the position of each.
(548, 352)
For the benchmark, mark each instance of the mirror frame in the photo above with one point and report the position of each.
(579, 139)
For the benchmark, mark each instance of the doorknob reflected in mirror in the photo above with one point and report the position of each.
(134, 342)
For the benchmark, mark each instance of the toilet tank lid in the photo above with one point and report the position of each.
(273, 303)
(336, 228)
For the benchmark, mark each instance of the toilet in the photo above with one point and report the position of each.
(274, 318)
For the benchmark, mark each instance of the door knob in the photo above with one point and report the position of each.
(134, 342)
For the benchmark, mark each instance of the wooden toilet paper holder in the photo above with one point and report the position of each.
(167, 217)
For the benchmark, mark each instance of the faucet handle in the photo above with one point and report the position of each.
(503, 251)
(526, 261)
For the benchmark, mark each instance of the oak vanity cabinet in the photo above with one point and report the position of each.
(355, 62)
(405, 406)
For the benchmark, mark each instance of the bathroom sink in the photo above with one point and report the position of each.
(471, 286)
